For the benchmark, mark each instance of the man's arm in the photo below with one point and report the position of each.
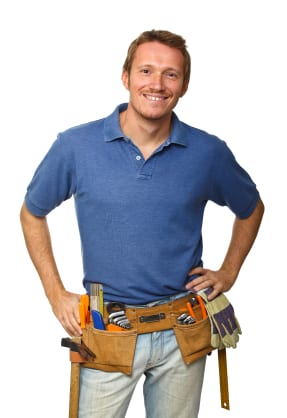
(38, 241)
(243, 236)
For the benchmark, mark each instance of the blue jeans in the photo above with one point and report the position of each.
(171, 388)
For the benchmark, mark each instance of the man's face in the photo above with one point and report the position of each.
(155, 82)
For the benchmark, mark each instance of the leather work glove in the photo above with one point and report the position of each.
(225, 328)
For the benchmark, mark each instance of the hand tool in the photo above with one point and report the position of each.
(96, 297)
(97, 305)
(80, 348)
(185, 319)
(77, 346)
(117, 316)
(82, 315)
(122, 321)
(190, 310)
(202, 307)
(223, 378)
(193, 301)
(112, 327)
(84, 310)
(98, 320)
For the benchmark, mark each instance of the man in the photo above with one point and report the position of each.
(141, 180)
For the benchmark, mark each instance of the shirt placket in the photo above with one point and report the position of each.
(144, 168)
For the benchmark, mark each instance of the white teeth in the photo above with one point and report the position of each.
(153, 98)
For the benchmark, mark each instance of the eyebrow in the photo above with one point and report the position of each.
(166, 69)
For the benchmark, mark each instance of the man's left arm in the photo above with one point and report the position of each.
(244, 233)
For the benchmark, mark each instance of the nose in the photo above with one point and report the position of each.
(156, 81)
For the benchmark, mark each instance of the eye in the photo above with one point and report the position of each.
(145, 71)
(171, 74)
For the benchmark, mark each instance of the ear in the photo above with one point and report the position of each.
(125, 79)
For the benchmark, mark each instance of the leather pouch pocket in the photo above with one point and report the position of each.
(194, 340)
(114, 351)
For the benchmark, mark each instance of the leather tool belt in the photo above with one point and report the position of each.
(114, 351)
(155, 318)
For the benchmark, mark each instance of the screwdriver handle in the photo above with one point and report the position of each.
(98, 320)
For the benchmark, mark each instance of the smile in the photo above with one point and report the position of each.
(154, 98)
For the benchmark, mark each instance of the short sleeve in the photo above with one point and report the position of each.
(53, 181)
(232, 186)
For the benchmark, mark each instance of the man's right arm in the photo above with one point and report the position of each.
(38, 242)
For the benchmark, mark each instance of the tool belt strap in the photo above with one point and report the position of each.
(155, 318)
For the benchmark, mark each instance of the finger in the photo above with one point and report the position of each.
(75, 323)
(196, 270)
(199, 283)
(212, 295)
(71, 324)
(73, 329)
(206, 284)
(74, 316)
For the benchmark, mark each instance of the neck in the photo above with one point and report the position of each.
(147, 135)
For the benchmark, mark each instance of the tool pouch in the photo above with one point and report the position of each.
(194, 340)
(114, 351)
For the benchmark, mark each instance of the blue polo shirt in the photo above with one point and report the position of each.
(139, 220)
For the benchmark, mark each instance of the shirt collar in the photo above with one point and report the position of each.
(112, 130)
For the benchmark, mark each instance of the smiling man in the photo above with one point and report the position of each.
(141, 180)
(155, 80)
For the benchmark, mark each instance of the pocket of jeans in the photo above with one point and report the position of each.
(194, 340)
(114, 350)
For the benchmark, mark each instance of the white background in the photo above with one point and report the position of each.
(60, 66)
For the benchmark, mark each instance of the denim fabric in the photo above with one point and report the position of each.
(171, 388)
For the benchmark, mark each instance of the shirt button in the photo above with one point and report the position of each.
(138, 157)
